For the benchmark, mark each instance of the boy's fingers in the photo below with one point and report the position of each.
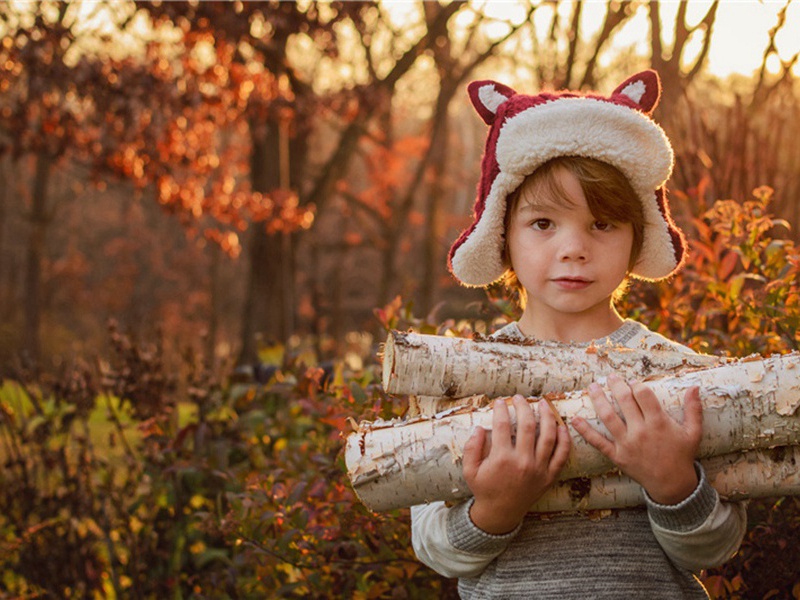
(473, 452)
(623, 394)
(693, 412)
(526, 425)
(501, 425)
(561, 451)
(547, 430)
(646, 399)
(605, 411)
(593, 437)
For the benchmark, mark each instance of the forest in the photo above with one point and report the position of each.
(213, 213)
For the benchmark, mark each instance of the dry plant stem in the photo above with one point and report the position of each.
(737, 476)
(432, 365)
(747, 404)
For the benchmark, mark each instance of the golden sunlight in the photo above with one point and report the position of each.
(741, 31)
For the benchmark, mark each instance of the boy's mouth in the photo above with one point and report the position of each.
(572, 283)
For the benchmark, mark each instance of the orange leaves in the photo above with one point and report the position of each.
(352, 238)
(416, 218)
(727, 264)
(389, 315)
(382, 200)
(280, 211)
(739, 291)
(228, 241)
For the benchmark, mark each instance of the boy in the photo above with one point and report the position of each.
(571, 203)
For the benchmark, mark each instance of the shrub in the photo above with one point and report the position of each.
(120, 481)
(112, 488)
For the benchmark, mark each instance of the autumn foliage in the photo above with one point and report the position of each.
(243, 182)
(122, 479)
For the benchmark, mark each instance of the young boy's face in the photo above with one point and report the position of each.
(569, 262)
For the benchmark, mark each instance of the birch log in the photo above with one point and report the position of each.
(737, 476)
(747, 404)
(434, 365)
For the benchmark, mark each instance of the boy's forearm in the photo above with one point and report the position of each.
(495, 520)
(674, 489)
(701, 531)
(447, 541)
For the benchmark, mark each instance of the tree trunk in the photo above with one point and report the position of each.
(436, 194)
(4, 254)
(210, 350)
(747, 404)
(264, 303)
(270, 286)
(430, 365)
(39, 221)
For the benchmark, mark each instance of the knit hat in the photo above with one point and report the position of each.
(527, 131)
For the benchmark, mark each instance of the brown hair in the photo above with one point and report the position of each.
(608, 193)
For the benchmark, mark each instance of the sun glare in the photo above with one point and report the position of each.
(741, 30)
(740, 35)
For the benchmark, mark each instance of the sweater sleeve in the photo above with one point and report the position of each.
(445, 539)
(701, 531)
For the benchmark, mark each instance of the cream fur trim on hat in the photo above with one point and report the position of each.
(527, 131)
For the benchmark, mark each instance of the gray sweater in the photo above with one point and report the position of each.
(649, 552)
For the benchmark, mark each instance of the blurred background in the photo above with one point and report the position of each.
(210, 212)
(230, 175)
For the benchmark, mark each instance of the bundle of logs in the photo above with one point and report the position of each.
(751, 426)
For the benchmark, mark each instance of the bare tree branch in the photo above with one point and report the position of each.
(353, 200)
(762, 92)
(681, 32)
(574, 35)
(615, 16)
(366, 42)
(469, 67)
(707, 25)
(349, 140)
(655, 34)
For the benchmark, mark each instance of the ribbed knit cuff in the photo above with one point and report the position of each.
(688, 514)
(465, 536)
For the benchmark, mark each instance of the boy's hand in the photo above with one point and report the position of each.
(506, 476)
(647, 444)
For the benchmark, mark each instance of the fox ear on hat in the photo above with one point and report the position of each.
(643, 88)
(487, 96)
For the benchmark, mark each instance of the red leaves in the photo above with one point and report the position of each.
(739, 290)
(727, 264)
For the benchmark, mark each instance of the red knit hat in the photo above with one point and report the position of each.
(527, 131)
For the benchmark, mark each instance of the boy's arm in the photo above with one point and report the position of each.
(505, 476)
(446, 540)
(694, 528)
(701, 531)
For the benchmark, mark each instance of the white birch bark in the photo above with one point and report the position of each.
(737, 476)
(434, 365)
(747, 404)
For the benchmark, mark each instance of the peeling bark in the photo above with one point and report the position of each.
(431, 365)
(747, 404)
(736, 476)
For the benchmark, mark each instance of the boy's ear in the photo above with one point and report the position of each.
(487, 96)
(643, 88)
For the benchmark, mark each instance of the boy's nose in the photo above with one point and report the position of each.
(574, 247)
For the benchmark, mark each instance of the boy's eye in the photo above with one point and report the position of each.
(603, 225)
(542, 224)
